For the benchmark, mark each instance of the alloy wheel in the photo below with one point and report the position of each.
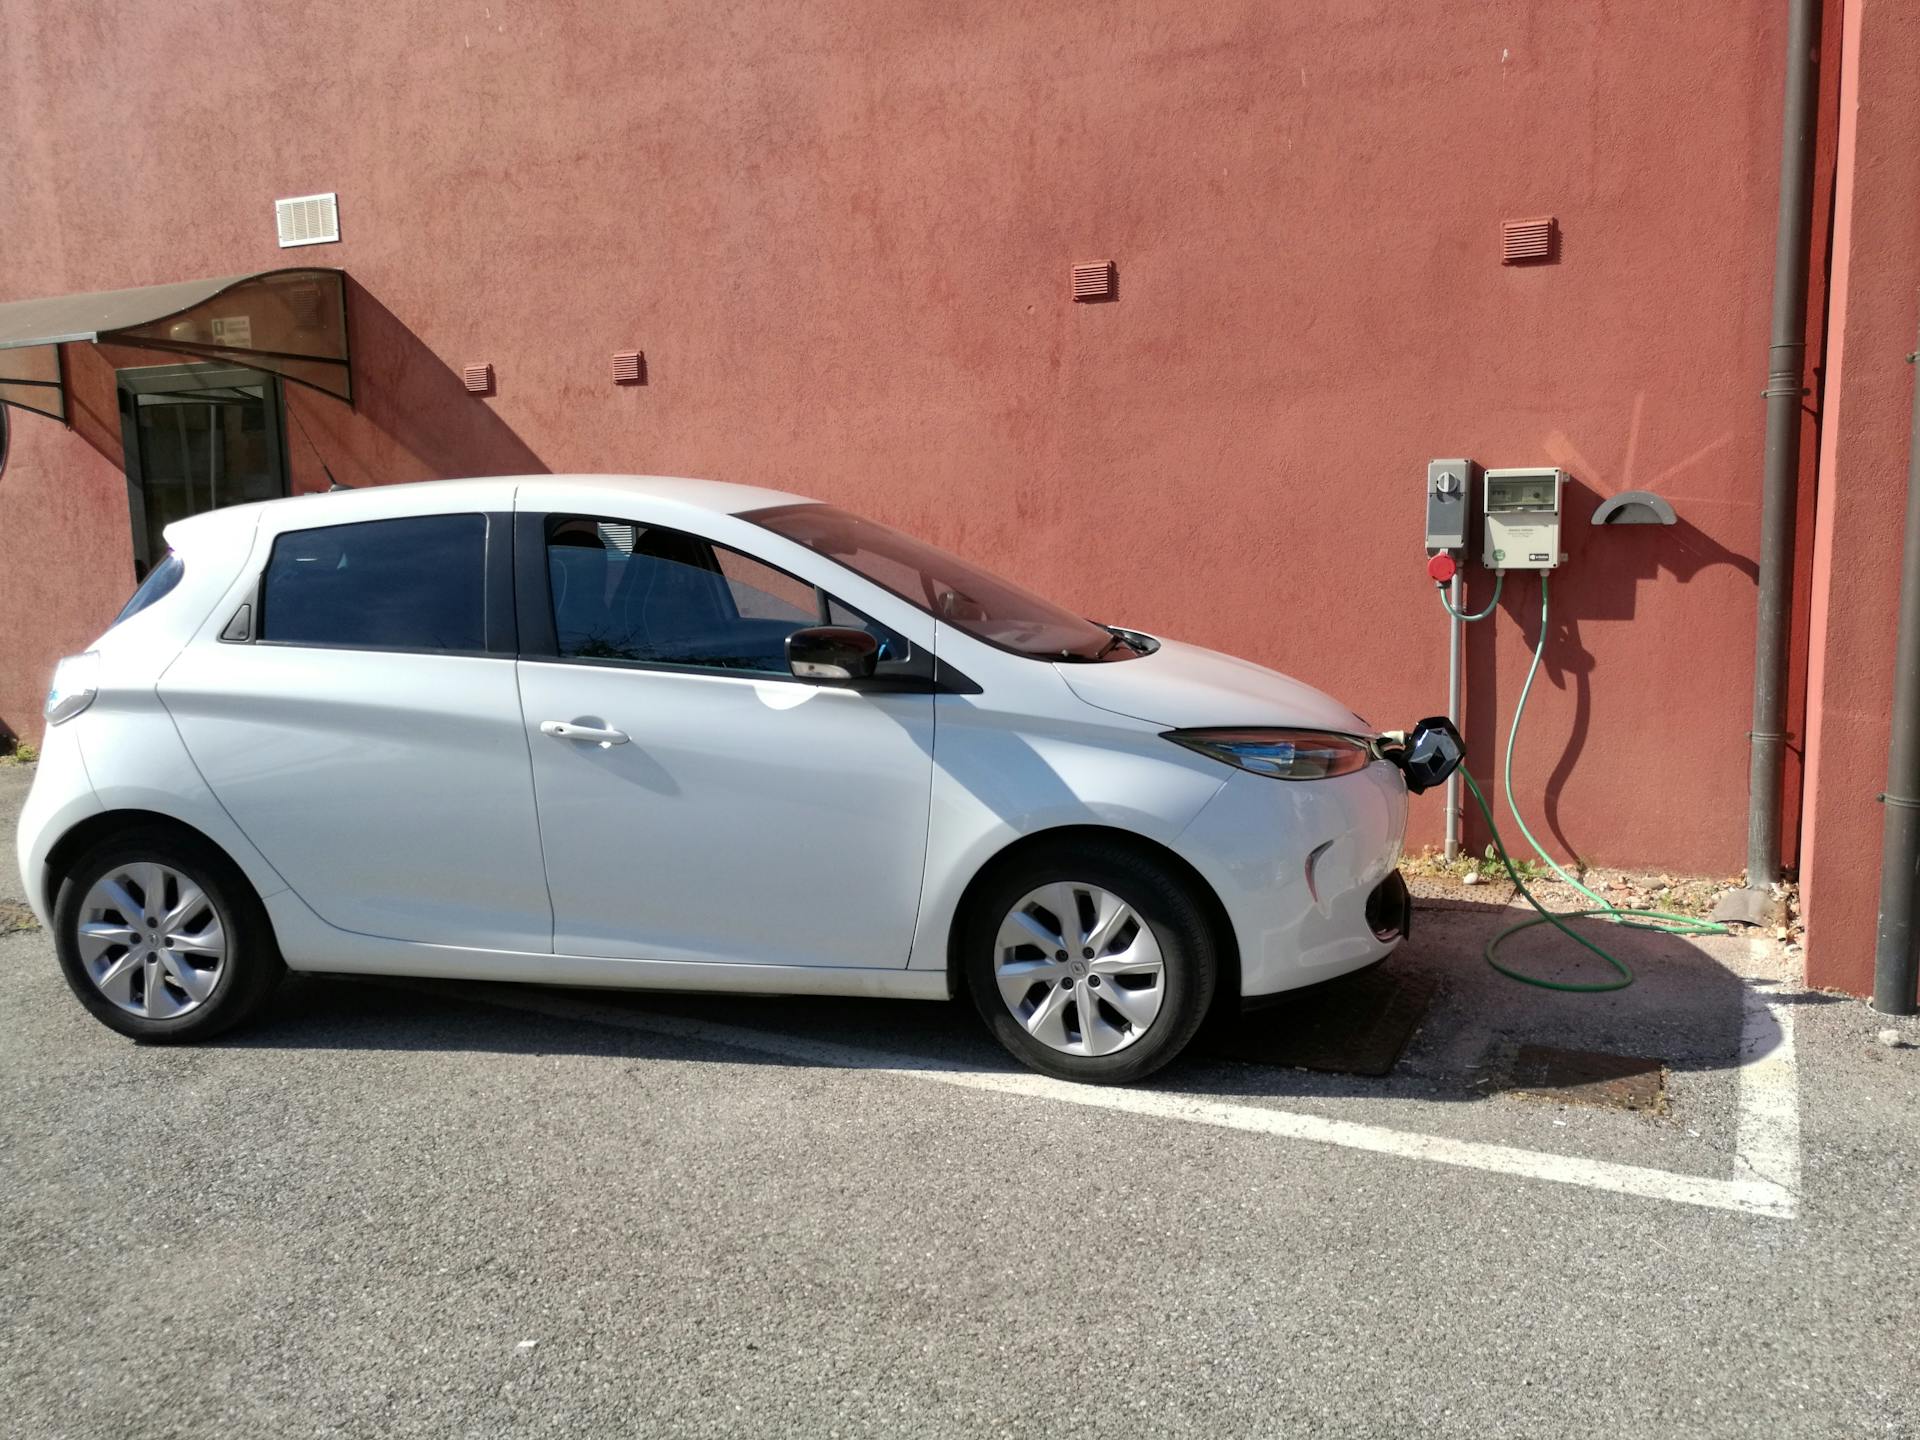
(151, 939)
(1079, 969)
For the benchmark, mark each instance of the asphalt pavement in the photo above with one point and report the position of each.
(477, 1211)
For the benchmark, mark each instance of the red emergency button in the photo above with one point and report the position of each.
(1441, 567)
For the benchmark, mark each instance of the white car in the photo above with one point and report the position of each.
(683, 735)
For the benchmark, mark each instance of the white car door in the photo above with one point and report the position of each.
(731, 813)
(360, 722)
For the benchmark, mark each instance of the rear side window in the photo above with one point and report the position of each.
(417, 583)
(157, 586)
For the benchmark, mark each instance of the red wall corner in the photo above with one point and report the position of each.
(1867, 412)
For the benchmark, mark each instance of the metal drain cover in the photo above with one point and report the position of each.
(1588, 1077)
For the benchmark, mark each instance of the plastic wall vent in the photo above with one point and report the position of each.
(1523, 242)
(1093, 282)
(308, 219)
(1635, 507)
(629, 368)
(478, 379)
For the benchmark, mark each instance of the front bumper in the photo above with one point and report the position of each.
(1306, 872)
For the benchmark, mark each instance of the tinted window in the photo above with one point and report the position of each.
(646, 595)
(417, 583)
(157, 586)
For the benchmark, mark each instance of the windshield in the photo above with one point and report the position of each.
(945, 586)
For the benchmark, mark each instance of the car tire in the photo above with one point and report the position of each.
(195, 993)
(1162, 905)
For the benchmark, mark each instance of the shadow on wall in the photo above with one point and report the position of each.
(412, 417)
(1601, 581)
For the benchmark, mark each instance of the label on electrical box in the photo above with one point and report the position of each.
(1520, 547)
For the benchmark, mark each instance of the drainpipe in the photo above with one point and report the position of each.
(1896, 950)
(1455, 640)
(1786, 357)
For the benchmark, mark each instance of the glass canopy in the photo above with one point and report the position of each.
(291, 322)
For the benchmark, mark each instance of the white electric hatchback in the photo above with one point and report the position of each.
(670, 733)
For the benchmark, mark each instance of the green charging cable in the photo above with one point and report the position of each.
(1499, 584)
(1662, 921)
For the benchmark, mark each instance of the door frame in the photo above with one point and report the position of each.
(132, 383)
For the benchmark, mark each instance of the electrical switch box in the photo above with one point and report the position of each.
(1449, 498)
(1522, 523)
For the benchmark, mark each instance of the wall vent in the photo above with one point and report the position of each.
(478, 379)
(308, 219)
(629, 368)
(1093, 282)
(1525, 241)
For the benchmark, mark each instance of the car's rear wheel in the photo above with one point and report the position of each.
(161, 937)
(1089, 961)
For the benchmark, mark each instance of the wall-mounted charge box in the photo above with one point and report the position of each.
(1522, 522)
(1450, 485)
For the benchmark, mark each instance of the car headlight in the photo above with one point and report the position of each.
(1281, 754)
(75, 683)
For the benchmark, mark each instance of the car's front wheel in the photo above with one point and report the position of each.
(161, 937)
(1089, 962)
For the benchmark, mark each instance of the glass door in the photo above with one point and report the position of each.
(197, 437)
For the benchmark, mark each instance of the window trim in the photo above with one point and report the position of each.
(920, 674)
(496, 600)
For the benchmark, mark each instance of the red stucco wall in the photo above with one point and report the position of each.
(841, 233)
(1856, 569)
(66, 545)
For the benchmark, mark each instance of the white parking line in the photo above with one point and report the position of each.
(1767, 1141)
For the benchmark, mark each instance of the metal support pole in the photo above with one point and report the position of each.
(1896, 950)
(1455, 638)
(1786, 363)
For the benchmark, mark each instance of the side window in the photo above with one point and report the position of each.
(416, 583)
(762, 593)
(647, 595)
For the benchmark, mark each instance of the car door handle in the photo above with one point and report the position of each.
(566, 730)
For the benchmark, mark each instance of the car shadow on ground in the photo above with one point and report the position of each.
(1687, 1011)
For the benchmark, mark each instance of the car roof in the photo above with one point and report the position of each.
(370, 502)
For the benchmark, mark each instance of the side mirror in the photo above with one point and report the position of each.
(1434, 751)
(832, 652)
